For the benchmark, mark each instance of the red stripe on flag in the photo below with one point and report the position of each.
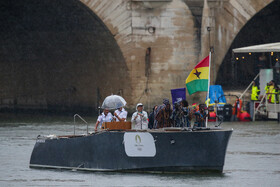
(203, 63)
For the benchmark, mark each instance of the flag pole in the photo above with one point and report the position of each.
(208, 88)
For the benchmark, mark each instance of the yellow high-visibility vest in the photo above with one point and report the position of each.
(254, 95)
(269, 92)
(273, 96)
(266, 88)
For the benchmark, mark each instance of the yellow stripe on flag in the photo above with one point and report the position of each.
(203, 74)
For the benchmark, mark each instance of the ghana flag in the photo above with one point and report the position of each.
(198, 78)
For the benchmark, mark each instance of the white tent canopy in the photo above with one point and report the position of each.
(271, 47)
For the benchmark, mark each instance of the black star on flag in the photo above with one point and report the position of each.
(197, 74)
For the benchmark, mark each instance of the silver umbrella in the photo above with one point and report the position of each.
(113, 102)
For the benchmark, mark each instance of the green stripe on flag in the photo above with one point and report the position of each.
(200, 85)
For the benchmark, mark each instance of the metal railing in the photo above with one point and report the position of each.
(269, 107)
(273, 107)
(240, 97)
(77, 115)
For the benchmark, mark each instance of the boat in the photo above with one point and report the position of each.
(126, 150)
(117, 147)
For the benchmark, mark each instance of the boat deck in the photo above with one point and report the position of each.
(162, 130)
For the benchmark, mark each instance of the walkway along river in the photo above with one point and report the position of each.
(253, 157)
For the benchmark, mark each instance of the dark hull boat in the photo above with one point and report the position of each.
(167, 150)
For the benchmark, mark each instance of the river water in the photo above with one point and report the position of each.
(252, 159)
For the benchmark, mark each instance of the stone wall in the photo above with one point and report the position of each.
(170, 30)
(84, 50)
(167, 28)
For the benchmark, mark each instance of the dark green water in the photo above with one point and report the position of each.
(253, 157)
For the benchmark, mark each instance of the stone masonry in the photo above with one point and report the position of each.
(139, 49)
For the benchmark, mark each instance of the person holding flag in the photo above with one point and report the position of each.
(199, 78)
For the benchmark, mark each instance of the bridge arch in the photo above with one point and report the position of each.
(65, 54)
(166, 29)
(230, 20)
(57, 55)
(265, 22)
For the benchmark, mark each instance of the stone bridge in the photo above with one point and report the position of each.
(71, 54)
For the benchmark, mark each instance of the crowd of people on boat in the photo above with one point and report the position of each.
(161, 116)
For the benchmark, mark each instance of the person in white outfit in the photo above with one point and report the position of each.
(140, 117)
(120, 114)
(106, 116)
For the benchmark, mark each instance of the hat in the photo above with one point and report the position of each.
(139, 104)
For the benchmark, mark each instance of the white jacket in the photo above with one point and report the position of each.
(140, 122)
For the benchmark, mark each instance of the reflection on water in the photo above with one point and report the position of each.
(253, 157)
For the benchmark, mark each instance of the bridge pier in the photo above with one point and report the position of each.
(107, 49)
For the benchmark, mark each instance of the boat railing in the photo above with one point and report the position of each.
(77, 115)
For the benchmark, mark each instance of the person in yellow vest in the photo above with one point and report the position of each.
(255, 90)
(268, 89)
(273, 92)
(274, 96)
